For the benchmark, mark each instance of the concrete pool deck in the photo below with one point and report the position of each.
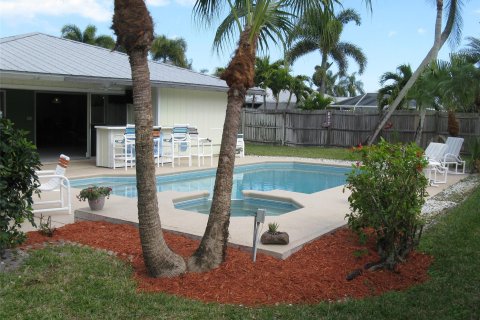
(321, 212)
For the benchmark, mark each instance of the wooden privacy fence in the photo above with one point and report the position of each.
(348, 128)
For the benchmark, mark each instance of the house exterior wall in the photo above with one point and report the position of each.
(203, 109)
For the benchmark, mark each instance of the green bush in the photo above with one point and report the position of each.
(18, 181)
(474, 160)
(315, 101)
(388, 190)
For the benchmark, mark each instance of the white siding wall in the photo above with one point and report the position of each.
(203, 109)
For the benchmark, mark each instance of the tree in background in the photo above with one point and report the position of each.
(453, 24)
(171, 51)
(319, 30)
(298, 88)
(256, 23)
(133, 26)
(393, 83)
(351, 85)
(89, 36)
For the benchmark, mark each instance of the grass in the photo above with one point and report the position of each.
(302, 152)
(67, 282)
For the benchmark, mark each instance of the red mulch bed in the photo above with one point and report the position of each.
(315, 273)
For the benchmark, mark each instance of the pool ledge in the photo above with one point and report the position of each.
(306, 224)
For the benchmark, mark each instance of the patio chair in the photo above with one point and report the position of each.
(434, 154)
(452, 154)
(204, 147)
(240, 149)
(129, 146)
(157, 144)
(178, 145)
(55, 181)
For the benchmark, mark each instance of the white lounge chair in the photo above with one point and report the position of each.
(57, 182)
(452, 154)
(240, 149)
(434, 154)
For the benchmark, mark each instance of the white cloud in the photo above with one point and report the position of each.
(97, 10)
(477, 11)
(421, 31)
(392, 34)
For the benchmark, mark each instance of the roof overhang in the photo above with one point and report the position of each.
(111, 82)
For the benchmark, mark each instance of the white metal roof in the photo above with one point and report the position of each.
(43, 55)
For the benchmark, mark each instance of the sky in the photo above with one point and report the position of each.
(393, 33)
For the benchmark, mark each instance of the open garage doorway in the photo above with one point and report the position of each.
(61, 125)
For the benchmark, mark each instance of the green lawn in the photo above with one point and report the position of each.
(302, 152)
(80, 283)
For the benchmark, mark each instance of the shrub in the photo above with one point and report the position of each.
(388, 190)
(474, 159)
(18, 181)
(315, 101)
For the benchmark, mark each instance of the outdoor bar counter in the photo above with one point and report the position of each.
(105, 134)
(104, 149)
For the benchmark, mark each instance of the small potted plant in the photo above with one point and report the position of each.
(273, 236)
(95, 196)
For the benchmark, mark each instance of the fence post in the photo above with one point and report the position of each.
(284, 128)
(243, 121)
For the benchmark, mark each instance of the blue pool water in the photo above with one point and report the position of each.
(289, 176)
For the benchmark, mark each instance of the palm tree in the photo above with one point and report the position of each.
(453, 24)
(72, 32)
(396, 81)
(332, 87)
(351, 85)
(256, 22)
(473, 55)
(133, 26)
(298, 88)
(473, 50)
(170, 51)
(319, 30)
(263, 73)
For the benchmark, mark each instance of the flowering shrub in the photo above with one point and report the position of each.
(94, 192)
(388, 190)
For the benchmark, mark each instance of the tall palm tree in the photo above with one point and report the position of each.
(133, 26)
(170, 51)
(319, 30)
(256, 22)
(89, 35)
(452, 27)
(352, 86)
(392, 83)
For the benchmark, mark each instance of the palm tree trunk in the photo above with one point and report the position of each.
(323, 68)
(134, 28)
(440, 38)
(419, 131)
(239, 77)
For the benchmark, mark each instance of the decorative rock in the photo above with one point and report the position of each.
(278, 238)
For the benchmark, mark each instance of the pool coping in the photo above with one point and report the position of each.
(303, 225)
(121, 210)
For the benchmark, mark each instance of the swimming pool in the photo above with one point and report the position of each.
(288, 176)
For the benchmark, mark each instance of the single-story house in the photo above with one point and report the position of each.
(59, 90)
